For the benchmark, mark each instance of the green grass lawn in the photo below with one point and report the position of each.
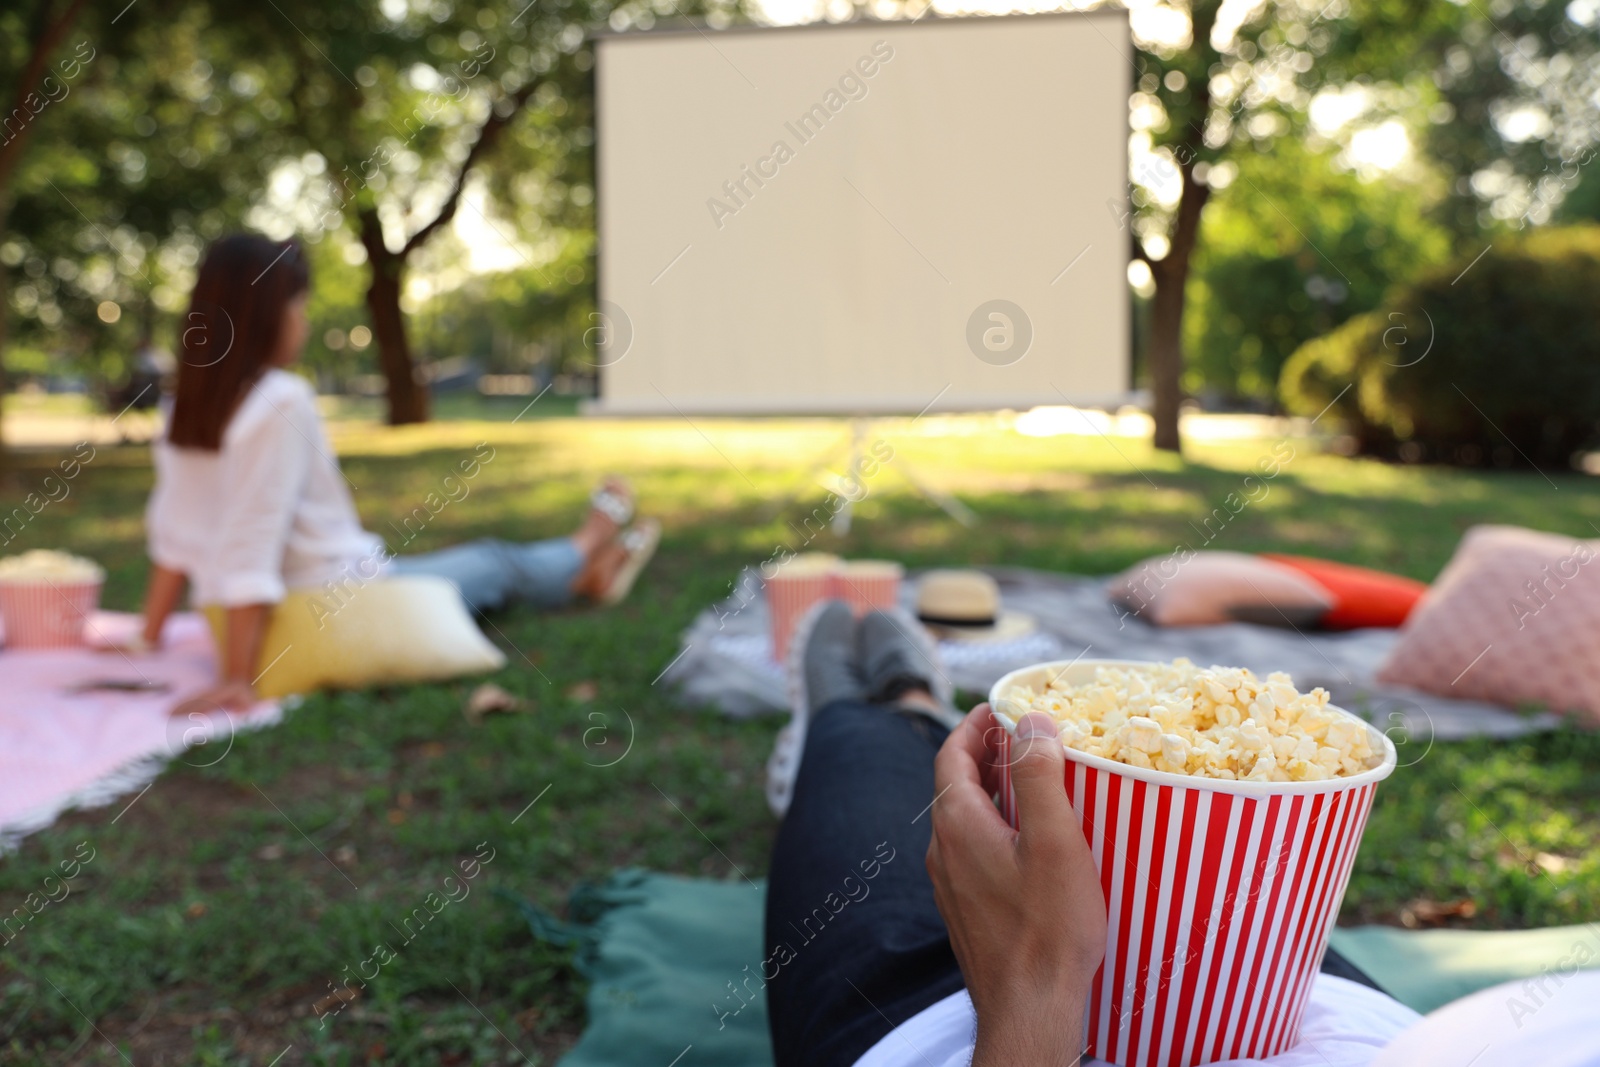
(227, 901)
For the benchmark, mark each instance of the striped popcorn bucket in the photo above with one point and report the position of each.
(1220, 896)
(794, 587)
(868, 584)
(43, 614)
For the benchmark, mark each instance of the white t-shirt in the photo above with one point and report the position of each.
(1345, 1025)
(1550, 1019)
(268, 512)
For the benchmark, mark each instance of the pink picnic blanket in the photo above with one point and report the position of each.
(65, 744)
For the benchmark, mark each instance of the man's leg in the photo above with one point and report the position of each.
(853, 934)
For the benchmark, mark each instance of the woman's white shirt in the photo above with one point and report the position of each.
(268, 512)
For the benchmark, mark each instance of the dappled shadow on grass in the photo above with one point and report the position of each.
(1361, 512)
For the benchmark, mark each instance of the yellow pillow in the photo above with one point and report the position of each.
(402, 629)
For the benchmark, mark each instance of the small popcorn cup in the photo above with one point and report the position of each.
(868, 584)
(1220, 895)
(47, 614)
(798, 583)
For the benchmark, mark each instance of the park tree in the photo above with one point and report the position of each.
(1209, 89)
(1203, 92)
(400, 106)
(377, 123)
(126, 148)
(1294, 242)
(360, 123)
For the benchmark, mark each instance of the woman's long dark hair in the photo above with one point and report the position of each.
(231, 331)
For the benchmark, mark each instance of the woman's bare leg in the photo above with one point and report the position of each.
(599, 570)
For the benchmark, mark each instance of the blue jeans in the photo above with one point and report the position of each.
(492, 574)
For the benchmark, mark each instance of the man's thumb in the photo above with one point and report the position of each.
(1038, 770)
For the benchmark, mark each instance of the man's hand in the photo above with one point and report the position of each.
(1024, 909)
(224, 696)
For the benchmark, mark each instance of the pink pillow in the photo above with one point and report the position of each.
(1188, 588)
(1513, 619)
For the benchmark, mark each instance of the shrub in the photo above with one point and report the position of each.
(1288, 251)
(1496, 361)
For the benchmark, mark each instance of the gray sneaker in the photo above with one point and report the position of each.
(822, 668)
(828, 661)
(898, 655)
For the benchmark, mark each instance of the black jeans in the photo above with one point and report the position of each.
(853, 936)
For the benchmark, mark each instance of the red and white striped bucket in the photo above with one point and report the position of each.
(865, 584)
(868, 584)
(797, 584)
(44, 614)
(1220, 896)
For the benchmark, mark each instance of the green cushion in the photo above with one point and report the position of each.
(674, 964)
(1424, 969)
(677, 964)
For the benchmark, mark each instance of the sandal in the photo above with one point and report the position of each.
(640, 544)
(613, 501)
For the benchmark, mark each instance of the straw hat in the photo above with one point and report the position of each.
(965, 605)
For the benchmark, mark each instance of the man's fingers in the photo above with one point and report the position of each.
(1038, 774)
(962, 755)
(991, 733)
(968, 736)
(962, 792)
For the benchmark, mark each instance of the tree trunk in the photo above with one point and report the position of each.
(1164, 359)
(408, 399)
(1171, 274)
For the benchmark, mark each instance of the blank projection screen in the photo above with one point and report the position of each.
(864, 218)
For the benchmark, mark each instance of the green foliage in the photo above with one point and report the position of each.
(1582, 202)
(149, 149)
(516, 321)
(193, 119)
(1479, 362)
(336, 306)
(1530, 57)
(1324, 375)
(1289, 250)
(1497, 105)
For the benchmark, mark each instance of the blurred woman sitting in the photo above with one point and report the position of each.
(249, 501)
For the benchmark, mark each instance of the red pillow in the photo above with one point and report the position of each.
(1361, 597)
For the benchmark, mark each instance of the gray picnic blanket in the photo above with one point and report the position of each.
(725, 660)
